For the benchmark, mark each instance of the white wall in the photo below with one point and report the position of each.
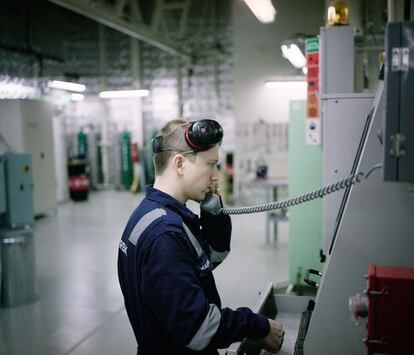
(122, 114)
(258, 58)
(126, 114)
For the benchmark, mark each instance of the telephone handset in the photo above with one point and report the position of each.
(211, 204)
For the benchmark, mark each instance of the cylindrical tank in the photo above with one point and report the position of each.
(18, 264)
(126, 160)
(82, 145)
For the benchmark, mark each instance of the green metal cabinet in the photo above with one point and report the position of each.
(2, 186)
(305, 220)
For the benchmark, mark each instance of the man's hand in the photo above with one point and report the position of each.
(274, 340)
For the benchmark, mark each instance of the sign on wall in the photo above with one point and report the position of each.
(313, 120)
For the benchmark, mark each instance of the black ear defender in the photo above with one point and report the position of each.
(157, 146)
(200, 135)
(203, 134)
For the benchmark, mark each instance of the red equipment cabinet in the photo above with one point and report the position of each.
(390, 325)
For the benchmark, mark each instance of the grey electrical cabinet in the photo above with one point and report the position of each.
(336, 60)
(27, 127)
(344, 117)
(398, 135)
(2, 187)
(19, 190)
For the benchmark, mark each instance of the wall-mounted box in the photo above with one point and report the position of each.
(27, 127)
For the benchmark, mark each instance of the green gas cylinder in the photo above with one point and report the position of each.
(127, 174)
(82, 145)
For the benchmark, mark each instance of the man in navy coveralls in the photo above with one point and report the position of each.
(167, 254)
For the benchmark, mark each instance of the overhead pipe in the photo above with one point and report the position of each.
(137, 31)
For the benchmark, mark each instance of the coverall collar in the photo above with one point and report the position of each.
(167, 200)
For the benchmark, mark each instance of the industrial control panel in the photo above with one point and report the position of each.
(399, 105)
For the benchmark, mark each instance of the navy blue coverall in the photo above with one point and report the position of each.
(165, 262)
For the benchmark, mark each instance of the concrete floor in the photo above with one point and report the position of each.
(80, 309)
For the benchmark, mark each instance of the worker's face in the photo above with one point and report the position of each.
(201, 174)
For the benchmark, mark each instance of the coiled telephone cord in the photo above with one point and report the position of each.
(306, 197)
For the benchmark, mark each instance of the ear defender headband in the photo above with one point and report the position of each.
(200, 135)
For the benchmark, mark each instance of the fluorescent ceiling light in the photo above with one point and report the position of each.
(123, 94)
(16, 90)
(65, 85)
(294, 55)
(286, 84)
(262, 9)
(77, 97)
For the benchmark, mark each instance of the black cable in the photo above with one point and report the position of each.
(407, 10)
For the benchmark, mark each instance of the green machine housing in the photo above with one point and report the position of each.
(16, 190)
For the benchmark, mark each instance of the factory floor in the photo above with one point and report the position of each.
(80, 307)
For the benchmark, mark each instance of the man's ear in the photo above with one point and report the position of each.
(178, 163)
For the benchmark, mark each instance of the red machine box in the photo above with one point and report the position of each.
(390, 310)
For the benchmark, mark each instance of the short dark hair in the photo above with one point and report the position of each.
(173, 133)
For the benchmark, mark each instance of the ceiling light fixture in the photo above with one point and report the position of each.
(123, 94)
(17, 90)
(262, 9)
(294, 55)
(65, 85)
(286, 84)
